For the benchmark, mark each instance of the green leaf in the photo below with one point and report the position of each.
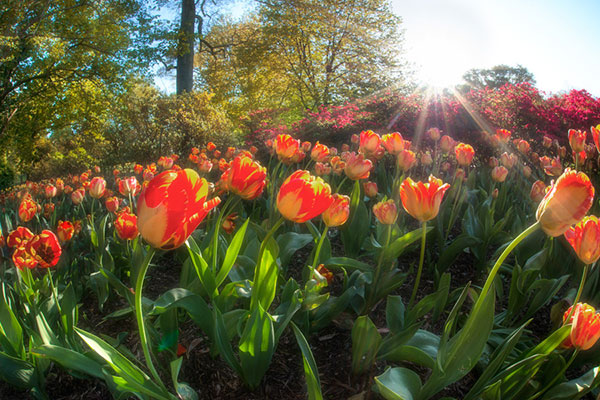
(399, 245)
(205, 274)
(221, 340)
(311, 371)
(399, 384)
(575, 388)
(191, 302)
(365, 344)
(70, 359)
(17, 372)
(11, 333)
(421, 349)
(265, 277)
(291, 242)
(347, 262)
(184, 391)
(257, 345)
(394, 313)
(232, 252)
(452, 251)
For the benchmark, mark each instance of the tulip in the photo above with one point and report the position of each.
(493, 162)
(526, 171)
(210, 146)
(503, 135)
(50, 191)
(495, 193)
(245, 177)
(538, 191)
(129, 186)
(386, 212)
(499, 174)
(370, 189)
(357, 167)
(172, 206)
(584, 237)
(406, 160)
(303, 196)
(566, 203)
(48, 209)
(319, 153)
(393, 143)
(305, 146)
(112, 204)
(596, 136)
(126, 226)
(523, 146)
(446, 144)
(552, 166)
(23, 259)
(585, 329)
(508, 160)
(138, 168)
(577, 140)
(434, 134)
(286, 148)
(338, 212)
(369, 143)
(547, 142)
(45, 249)
(27, 209)
(426, 159)
(325, 273)
(464, 154)
(77, 196)
(354, 138)
(228, 224)
(97, 187)
(65, 231)
(422, 200)
(19, 237)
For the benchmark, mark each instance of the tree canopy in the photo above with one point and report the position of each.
(497, 76)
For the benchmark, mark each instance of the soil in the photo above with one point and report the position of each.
(214, 379)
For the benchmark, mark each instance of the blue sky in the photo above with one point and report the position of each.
(557, 40)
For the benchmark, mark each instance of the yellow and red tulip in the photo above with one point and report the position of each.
(406, 160)
(357, 167)
(303, 196)
(370, 189)
(499, 174)
(464, 154)
(422, 200)
(386, 212)
(23, 259)
(18, 237)
(338, 212)
(129, 186)
(286, 148)
(577, 140)
(126, 226)
(538, 191)
(97, 187)
(45, 249)
(319, 153)
(77, 196)
(584, 237)
(112, 204)
(369, 143)
(393, 143)
(65, 230)
(503, 135)
(245, 177)
(596, 136)
(172, 206)
(566, 203)
(447, 144)
(27, 209)
(585, 327)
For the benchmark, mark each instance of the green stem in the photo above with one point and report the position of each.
(420, 270)
(453, 212)
(557, 376)
(319, 246)
(215, 247)
(498, 264)
(55, 297)
(139, 314)
(341, 183)
(579, 291)
(377, 276)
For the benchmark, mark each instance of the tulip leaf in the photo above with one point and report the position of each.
(257, 345)
(184, 391)
(575, 388)
(366, 341)
(420, 349)
(399, 384)
(193, 303)
(311, 372)
(205, 274)
(222, 342)
(264, 285)
(232, 252)
(11, 333)
(18, 372)
(347, 262)
(453, 250)
(394, 313)
(290, 243)
(399, 245)
(70, 359)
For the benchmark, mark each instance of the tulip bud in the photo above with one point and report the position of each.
(386, 212)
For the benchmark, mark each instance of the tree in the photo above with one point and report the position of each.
(497, 77)
(304, 53)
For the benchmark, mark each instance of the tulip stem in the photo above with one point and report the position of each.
(498, 264)
(55, 297)
(341, 183)
(579, 291)
(376, 277)
(319, 246)
(421, 259)
(139, 314)
(453, 211)
(215, 248)
(557, 376)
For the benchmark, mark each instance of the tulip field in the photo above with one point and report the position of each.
(386, 268)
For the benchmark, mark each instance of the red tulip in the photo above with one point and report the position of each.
(357, 167)
(422, 200)
(45, 249)
(393, 143)
(65, 231)
(18, 237)
(126, 226)
(577, 140)
(464, 154)
(23, 259)
(97, 187)
(320, 153)
(286, 148)
(129, 186)
(245, 177)
(406, 160)
(27, 209)
(499, 174)
(338, 212)
(112, 204)
(386, 212)
(584, 237)
(538, 191)
(303, 196)
(585, 327)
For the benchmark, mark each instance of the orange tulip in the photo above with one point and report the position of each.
(210, 146)
(370, 189)
(45, 249)
(50, 191)
(422, 200)
(508, 160)
(228, 224)
(138, 168)
(503, 135)
(526, 171)
(171, 207)
(523, 146)
(112, 204)
(357, 167)
(566, 203)
(97, 187)
(386, 212)
(245, 177)
(286, 148)
(585, 327)
(338, 212)
(325, 273)
(538, 191)
(434, 134)
(48, 209)
(584, 237)
(577, 140)
(27, 209)
(393, 143)
(464, 154)
(23, 259)
(77, 196)
(65, 230)
(303, 196)
(18, 237)
(126, 226)
(499, 174)
(596, 136)
(369, 143)
(319, 153)
(406, 160)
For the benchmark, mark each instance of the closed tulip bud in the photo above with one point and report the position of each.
(538, 191)
(422, 200)
(584, 237)
(303, 196)
(129, 186)
(526, 171)
(172, 206)
(84, 177)
(65, 230)
(566, 203)
(577, 140)
(426, 159)
(210, 146)
(337, 213)
(508, 160)
(406, 160)
(495, 193)
(319, 153)
(112, 204)
(499, 174)
(298, 157)
(27, 209)
(253, 150)
(464, 154)
(354, 138)
(393, 143)
(126, 226)
(493, 162)
(434, 134)
(322, 169)
(138, 169)
(286, 148)
(45, 249)
(562, 151)
(50, 191)
(370, 189)
(460, 174)
(357, 167)
(547, 142)
(97, 187)
(228, 224)
(523, 146)
(386, 212)
(245, 177)
(446, 144)
(585, 327)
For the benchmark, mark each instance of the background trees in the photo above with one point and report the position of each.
(497, 77)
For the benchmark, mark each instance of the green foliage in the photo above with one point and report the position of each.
(497, 76)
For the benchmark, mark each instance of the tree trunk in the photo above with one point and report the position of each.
(185, 47)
